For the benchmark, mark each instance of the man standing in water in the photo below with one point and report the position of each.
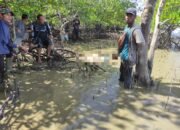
(42, 36)
(133, 38)
(76, 24)
(6, 46)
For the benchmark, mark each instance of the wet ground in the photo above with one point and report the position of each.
(64, 100)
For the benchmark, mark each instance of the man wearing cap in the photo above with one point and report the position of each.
(5, 41)
(6, 45)
(128, 53)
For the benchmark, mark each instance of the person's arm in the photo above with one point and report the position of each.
(138, 37)
(18, 26)
(121, 40)
(49, 30)
(12, 44)
(32, 30)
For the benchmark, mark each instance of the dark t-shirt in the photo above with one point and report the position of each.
(66, 28)
(76, 23)
(41, 30)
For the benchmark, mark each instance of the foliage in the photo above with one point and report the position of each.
(105, 12)
(170, 11)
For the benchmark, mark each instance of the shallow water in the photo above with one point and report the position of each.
(114, 108)
(58, 100)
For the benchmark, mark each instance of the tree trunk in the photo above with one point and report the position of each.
(5, 2)
(142, 65)
(155, 36)
(14, 28)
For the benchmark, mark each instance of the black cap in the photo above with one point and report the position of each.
(5, 11)
(131, 11)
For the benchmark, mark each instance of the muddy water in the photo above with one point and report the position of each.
(61, 100)
(114, 108)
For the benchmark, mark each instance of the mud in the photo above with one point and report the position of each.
(64, 100)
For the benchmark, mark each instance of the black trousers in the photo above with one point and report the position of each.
(76, 34)
(126, 75)
(42, 42)
(2, 67)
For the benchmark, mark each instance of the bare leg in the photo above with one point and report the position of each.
(62, 40)
(39, 55)
(49, 50)
(62, 43)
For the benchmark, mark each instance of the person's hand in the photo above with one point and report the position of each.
(50, 36)
(23, 48)
(19, 31)
(29, 31)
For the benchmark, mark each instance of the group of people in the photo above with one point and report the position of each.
(41, 35)
(129, 42)
(40, 32)
(65, 29)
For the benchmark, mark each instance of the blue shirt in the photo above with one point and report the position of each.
(125, 51)
(5, 41)
(20, 26)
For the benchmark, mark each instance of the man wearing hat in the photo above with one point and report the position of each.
(6, 45)
(5, 40)
(133, 38)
